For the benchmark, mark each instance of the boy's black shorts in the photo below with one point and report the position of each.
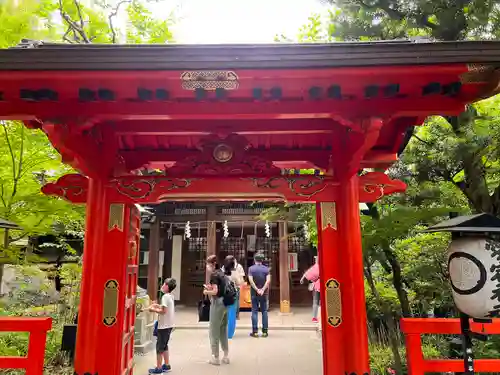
(163, 339)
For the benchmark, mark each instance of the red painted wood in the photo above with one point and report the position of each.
(457, 365)
(37, 328)
(413, 328)
(355, 339)
(90, 313)
(446, 326)
(14, 363)
(292, 188)
(352, 148)
(108, 247)
(14, 324)
(414, 354)
(293, 82)
(290, 109)
(329, 260)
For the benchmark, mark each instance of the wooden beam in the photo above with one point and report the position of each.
(154, 259)
(155, 189)
(294, 158)
(283, 267)
(290, 109)
(224, 127)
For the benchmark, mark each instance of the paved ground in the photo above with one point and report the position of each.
(187, 318)
(284, 352)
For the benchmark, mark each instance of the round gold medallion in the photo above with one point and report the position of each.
(223, 153)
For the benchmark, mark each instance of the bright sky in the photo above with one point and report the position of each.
(237, 21)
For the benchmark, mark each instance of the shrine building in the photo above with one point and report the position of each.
(184, 257)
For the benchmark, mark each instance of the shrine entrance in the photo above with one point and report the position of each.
(147, 124)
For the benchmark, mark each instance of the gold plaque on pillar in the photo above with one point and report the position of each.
(328, 215)
(333, 303)
(116, 217)
(110, 303)
(285, 306)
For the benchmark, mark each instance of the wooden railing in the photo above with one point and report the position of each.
(37, 329)
(414, 328)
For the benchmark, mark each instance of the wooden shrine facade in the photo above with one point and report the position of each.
(184, 258)
(152, 124)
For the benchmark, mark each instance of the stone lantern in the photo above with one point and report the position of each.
(474, 263)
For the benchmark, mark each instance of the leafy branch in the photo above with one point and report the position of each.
(77, 28)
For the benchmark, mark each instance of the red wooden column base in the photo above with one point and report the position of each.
(101, 317)
(331, 289)
(355, 340)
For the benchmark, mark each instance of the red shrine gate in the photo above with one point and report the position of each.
(153, 123)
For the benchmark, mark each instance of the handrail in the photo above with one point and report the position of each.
(37, 328)
(414, 328)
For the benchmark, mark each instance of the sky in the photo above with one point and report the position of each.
(237, 21)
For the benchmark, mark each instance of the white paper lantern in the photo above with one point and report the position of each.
(474, 268)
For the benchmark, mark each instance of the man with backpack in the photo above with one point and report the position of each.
(222, 292)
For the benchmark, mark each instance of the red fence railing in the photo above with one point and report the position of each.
(414, 328)
(37, 328)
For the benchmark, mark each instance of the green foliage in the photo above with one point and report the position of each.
(463, 153)
(392, 19)
(424, 268)
(18, 22)
(144, 28)
(26, 162)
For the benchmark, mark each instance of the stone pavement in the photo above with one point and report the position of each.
(300, 319)
(284, 352)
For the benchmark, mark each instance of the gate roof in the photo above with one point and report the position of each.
(110, 110)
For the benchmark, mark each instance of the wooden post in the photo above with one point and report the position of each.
(105, 280)
(283, 266)
(331, 289)
(211, 238)
(88, 315)
(211, 244)
(355, 341)
(154, 259)
(5, 246)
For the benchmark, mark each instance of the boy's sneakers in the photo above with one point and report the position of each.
(225, 360)
(265, 334)
(254, 334)
(166, 368)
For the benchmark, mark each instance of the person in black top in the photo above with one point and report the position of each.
(218, 311)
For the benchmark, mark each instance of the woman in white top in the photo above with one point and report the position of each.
(241, 277)
(237, 278)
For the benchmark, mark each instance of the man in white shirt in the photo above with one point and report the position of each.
(166, 317)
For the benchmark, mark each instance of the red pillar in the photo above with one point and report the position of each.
(101, 320)
(355, 341)
(329, 266)
(87, 313)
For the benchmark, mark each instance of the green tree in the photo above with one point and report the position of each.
(471, 165)
(25, 163)
(28, 158)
